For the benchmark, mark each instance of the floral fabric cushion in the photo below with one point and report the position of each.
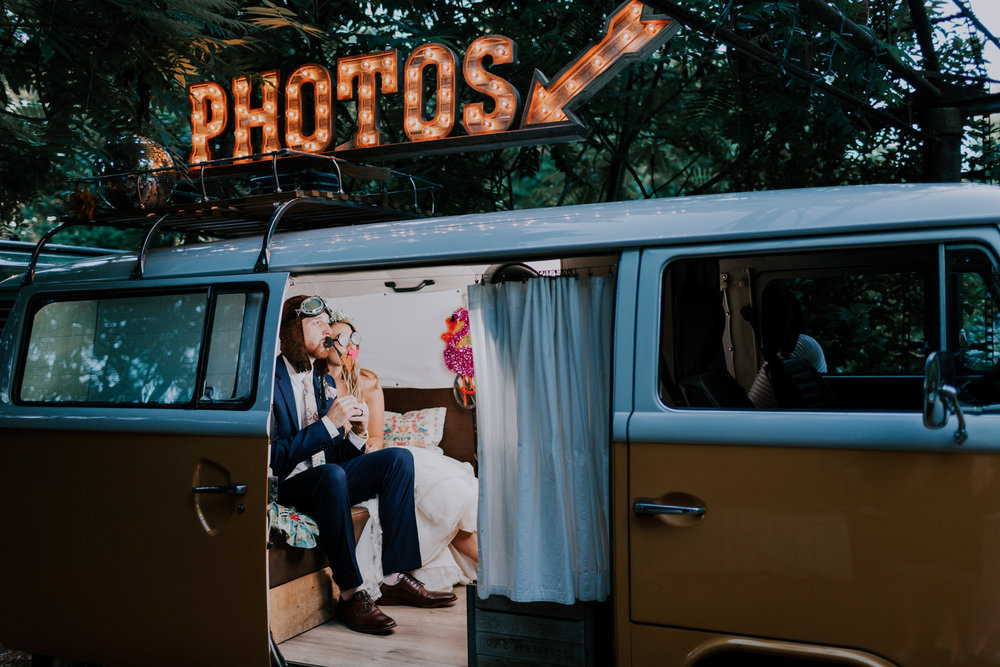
(417, 428)
(298, 529)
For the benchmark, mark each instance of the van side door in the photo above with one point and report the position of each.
(821, 521)
(133, 458)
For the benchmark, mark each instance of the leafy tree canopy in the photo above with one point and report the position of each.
(699, 116)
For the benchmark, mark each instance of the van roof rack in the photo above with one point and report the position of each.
(307, 204)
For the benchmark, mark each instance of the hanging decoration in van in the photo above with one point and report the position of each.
(458, 357)
(301, 118)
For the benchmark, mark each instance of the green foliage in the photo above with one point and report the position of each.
(697, 117)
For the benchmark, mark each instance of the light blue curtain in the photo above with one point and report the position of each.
(542, 351)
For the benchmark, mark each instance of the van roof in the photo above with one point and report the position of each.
(573, 230)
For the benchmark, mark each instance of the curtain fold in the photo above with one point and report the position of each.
(542, 352)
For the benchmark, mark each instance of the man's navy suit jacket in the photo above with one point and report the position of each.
(289, 444)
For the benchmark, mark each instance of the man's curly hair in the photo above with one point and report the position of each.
(293, 343)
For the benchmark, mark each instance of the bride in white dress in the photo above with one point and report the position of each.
(446, 491)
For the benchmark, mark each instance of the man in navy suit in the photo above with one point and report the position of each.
(317, 454)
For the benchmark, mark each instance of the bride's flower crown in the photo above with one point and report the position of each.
(339, 316)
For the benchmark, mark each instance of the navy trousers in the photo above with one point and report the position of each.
(327, 493)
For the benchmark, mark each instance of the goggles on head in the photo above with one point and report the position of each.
(343, 339)
(312, 307)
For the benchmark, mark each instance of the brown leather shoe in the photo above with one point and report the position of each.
(412, 592)
(360, 613)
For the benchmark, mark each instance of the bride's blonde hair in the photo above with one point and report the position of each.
(352, 376)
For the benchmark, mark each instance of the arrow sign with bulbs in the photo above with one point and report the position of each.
(632, 34)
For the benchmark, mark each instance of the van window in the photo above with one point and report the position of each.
(830, 330)
(142, 350)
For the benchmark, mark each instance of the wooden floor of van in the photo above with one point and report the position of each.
(421, 637)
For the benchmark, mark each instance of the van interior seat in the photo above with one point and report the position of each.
(704, 378)
(795, 382)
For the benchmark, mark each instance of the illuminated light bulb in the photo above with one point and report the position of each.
(366, 65)
(343, 68)
(598, 62)
(412, 98)
(571, 85)
(367, 115)
(494, 85)
(477, 50)
(310, 146)
(342, 89)
(323, 134)
(216, 107)
(476, 76)
(412, 122)
(446, 119)
(366, 90)
(545, 110)
(636, 10)
(291, 114)
(294, 136)
(505, 104)
(199, 117)
(446, 68)
(445, 95)
(626, 36)
(387, 62)
(488, 124)
(651, 28)
(502, 51)
(411, 74)
(475, 113)
(387, 81)
(321, 87)
(269, 107)
(242, 85)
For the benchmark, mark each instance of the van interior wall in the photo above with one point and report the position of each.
(401, 331)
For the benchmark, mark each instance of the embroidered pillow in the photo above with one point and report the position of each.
(417, 428)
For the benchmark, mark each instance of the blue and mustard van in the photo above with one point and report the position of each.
(768, 504)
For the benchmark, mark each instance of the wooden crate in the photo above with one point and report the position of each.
(504, 633)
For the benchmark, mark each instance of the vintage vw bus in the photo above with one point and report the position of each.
(769, 504)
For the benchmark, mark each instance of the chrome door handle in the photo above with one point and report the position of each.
(650, 507)
(231, 489)
(676, 508)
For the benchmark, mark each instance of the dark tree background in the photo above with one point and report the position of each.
(702, 115)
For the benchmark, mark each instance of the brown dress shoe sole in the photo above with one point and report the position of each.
(384, 602)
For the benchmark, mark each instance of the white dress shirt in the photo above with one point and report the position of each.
(297, 378)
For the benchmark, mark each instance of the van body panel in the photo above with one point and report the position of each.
(110, 557)
(597, 228)
(688, 648)
(624, 344)
(801, 544)
(838, 528)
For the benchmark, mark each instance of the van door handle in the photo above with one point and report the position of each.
(232, 489)
(674, 509)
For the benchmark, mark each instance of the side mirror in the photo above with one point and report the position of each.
(939, 399)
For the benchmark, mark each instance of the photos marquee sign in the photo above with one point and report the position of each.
(302, 118)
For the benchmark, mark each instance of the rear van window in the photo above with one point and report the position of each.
(175, 349)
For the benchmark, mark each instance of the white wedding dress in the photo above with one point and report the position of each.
(446, 492)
